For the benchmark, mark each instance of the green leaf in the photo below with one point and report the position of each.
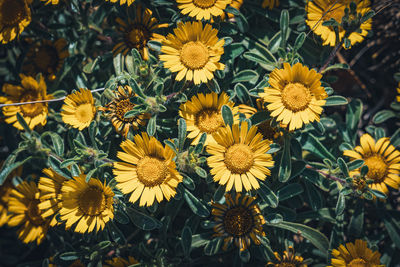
(290, 191)
(318, 239)
(181, 133)
(90, 174)
(69, 256)
(75, 171)
(392, 228)
(357, 220)
(213, 246)
(227, 115)
(242, 93)
(154, 45)
(186, 241)
(259, 117)
(143, 221)
(335, 100)
(367, 16)
(343, 167)
(195, 204)
(118, 64)
(23, 123)
(338, 66)
(54, 163)
(121, 217)
(340, 205)
(234, 50)
(379, 194)
(299, 41)
(314, 196)
(151, 126)
(7, 169)
(395, 139)
(314, 177)
(258, 58)
(314, 146)
(244, 255)
(200, 172)
(245, 76)
(268, 195)
(355, 164)
(285, 166)
(383, 116)
(353, 115)
(284, 25)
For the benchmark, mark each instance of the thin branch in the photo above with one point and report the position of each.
(327, 175)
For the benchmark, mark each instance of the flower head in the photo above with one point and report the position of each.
(193, 51)
(15, 15)
(270, 4)
(203, 9)
(78, 109)
(398, 91)
(288, 259)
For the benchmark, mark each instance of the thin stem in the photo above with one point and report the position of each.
(327, 175)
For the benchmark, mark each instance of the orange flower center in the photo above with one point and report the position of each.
(358, 263)
(121, 107)
(336, 12)
(12, 12)
(151, 171)
(33, 213)
(137, 36)
(268, 131)
(238, 221)
(239, 158)
(32, 110)
(194, 55)
(46, 59)
(377, 168)
(209, 120)
(296, 97)
(204, 3)
(92, 201)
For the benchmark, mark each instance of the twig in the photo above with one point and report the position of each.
(327, 175)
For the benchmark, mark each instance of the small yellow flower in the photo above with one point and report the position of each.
(122, 2)
(78, 109)
(203, 9)
(270, 4)
(239, 157)
(288, 259)
(121, 262)
(29, 90)
(5, 191)
(15, 15)
(319, 11)
(239, 220)
(89, 205)
(398, 91)
(295, 95)
(355, 254)
(193, 51)
(382, 159)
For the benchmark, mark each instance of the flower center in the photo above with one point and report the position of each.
(377, 168)
(267, 131)
(238, 221)
(31, 110)
(33, 213)
(46, 59)
(92, 201)
(357, 263)
(209, 120)
(121, 108)
(204, 3)
(151, 171)
(239, 158)
(138, 36)
(194, 55)
(12, 12)
(336, 12)
(295, 96)
(84, 112)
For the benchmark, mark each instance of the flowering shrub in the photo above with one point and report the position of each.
(197, 132)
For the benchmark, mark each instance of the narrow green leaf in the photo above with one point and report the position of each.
(118, 65)
(392, 229)
(7, 169)
(186, 241)
(355, 164)
(195, 204)
(242, 93)
(290, 191)
(69, 256)
(227, 115)
(268, 195)
(340, 205)
(143, 221)
(343, 167)
(213, 246)
(335, 100)
(299, 41)
(285, 166)
(356, 224)
(383, 116)
(258, 58)
(90, 174)
(23, 123)
(151, 126)
(181, 133)
(284, 25)
(245, 76)
(314, 196)
(316, 147)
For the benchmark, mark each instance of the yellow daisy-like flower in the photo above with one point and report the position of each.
(295, 95)
(29, 90)
(53, 2)
(15, 15)
(203, 9)
(203, 115)
(239, 157)
(138, 32)
(193, 51)
(90, 205)
(121, 104)
(239, 220)
(382, 159)
(50, 194)
(288, 259)
(148, 170)
(23, 206)
(235, 4)
(319, 11)
(398, 91)
(121, 262)
(270, 4)
(355, 254)
(5, 191)
(46, 57)
(78, 109)
(122, 2)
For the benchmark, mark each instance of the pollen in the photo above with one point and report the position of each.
(204, 3)
(151, 171)
(239, 158)
(377, 168)
(295, 96)
(238, 221)
(209, 120)
(194, 55)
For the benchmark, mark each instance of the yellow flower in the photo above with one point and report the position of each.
(29, 90)
(235, 4)
(54, 2)
(116, 109)
(382, 159)
(288, 258)
(203, 9)
(50, 194)
(270, 4)
(90, 205)
(15, 15)
(239, 220)
(23, 206)
(398, 91)
(319, 11)
(122, 2)
(203, 115)
(5, 191)
(46, 57)
(78, 109)
(295, 95)
(148, 170)
(239, 157)
(121, 262)
(355, 254)
(193, 51)
(138, 32)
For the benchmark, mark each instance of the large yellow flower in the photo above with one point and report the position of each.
(319, 11)
(120, 262)
(193, 51)
(122, 2)
(382, 159)
(117, 108)
(50, 194)
(203, 115)
(288, 259)
(78, 109)
(90, 205)
(295, 95)
(203, 9)
(46, 57)
(148, 170)
(15, 15)
(23, 206)
(239, 220)
(270, 4)
(29, 90)
(355, 254)
(138, 32)
(239, 157)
